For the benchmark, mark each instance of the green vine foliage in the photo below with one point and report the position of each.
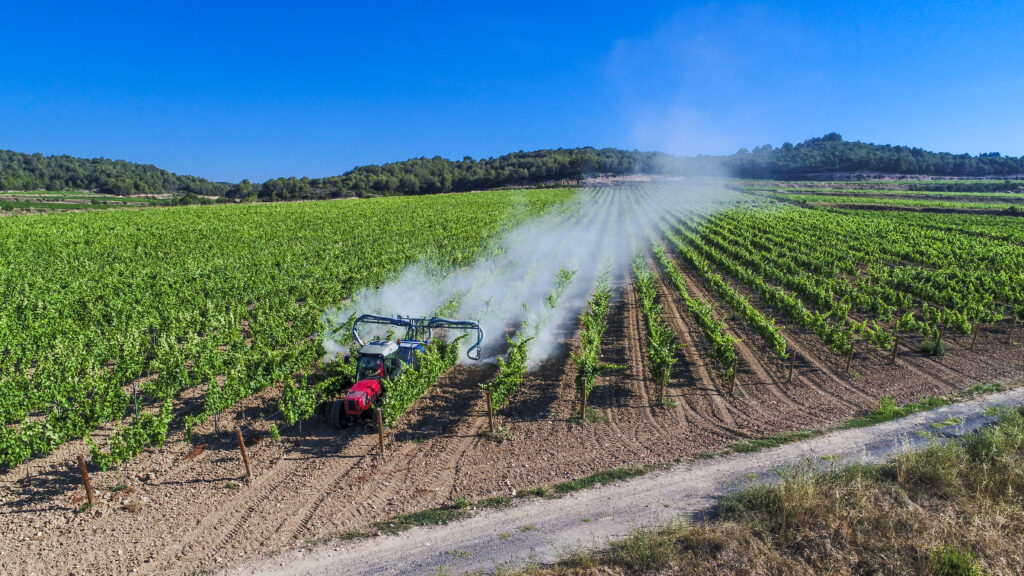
(510, 372)
(127, 442)
(594, 322)
(411, 383)
(661, 341)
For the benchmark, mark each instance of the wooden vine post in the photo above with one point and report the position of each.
(380, 431)
(792, 364)
(974, 336)
(85, 481)
(1013, 328)
(490, 411)
(245, 456)
(732, 377)
(895, 349)
(849, 359)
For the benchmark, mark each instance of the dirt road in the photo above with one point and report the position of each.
(541, 530)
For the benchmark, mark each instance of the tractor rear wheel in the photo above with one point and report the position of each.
(338, 417)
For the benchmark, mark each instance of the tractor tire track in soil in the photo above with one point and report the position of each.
(613, 390)
(811, 371)
(752, 376)
(639, 369)
(743, 418)
(699, 399)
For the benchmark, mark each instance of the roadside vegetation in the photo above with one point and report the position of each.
(953, 508)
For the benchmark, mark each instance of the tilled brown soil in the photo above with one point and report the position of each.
(165, 512)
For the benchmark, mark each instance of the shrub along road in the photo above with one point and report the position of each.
(542, 530)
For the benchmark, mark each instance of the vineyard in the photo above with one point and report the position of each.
(698, 318)
(102, 313)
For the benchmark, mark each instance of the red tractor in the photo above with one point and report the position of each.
(380, 361)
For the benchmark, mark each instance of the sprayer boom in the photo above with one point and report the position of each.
(422, 328)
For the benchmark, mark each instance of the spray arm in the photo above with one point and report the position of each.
(474, 351)
(422, 328)
(380, 321)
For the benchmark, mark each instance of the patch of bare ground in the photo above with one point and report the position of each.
(167, 513)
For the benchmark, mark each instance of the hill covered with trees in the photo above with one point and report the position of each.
(831, 154)
(814, 158)
(37, 172)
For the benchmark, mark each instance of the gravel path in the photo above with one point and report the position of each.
(540, 530)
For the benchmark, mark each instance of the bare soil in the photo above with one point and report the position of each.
(178, 510)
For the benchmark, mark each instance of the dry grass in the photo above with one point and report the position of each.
(951, 509)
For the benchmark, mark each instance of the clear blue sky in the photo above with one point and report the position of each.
(252, 90)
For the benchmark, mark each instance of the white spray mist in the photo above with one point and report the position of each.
(597, 231)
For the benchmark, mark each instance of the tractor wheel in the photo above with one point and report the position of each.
(338, 417)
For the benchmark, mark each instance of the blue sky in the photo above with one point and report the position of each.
(254, 90)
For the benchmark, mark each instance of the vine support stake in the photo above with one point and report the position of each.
(85, 481)
(732, 378)
(490, 412)
(849, 359)
(1013, 328)
(974, 337)
(792, 364)
(245, 457)
(895, 349)
(380, 431)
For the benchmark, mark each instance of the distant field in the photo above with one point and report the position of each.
(958, 195)
(58, 201)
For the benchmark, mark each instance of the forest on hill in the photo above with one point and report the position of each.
(118, 177)
(813, 158)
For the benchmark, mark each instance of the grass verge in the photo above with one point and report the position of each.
(954, 508)
(462, 508)
(888, 410)
(756, 444)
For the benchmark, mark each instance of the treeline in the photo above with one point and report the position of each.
(831, 154)
(37, 172)
(436, 175)
(814, 158)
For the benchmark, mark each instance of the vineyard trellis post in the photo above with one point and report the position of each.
(380, 431)
(85, 481)
(895, 349)
(1013, 328)
(732, 377)
(974, 336)
(849, 358)
(490, 411)
(135, 396)
(245, 456)
(792, 364)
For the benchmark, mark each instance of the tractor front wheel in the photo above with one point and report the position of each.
(339, 419)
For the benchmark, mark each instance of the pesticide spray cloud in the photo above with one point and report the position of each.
(513, 284)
